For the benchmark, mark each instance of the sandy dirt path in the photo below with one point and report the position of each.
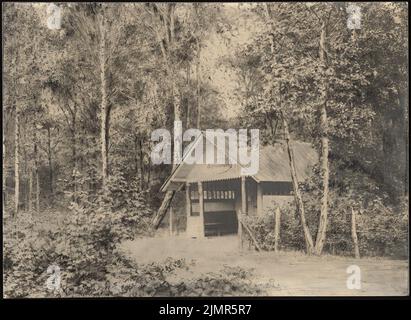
(280, 274)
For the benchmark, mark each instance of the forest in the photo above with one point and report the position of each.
(83, 93)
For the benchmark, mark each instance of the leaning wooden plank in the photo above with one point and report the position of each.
(163, 208)
(251, 235)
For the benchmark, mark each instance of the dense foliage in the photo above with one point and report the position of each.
(81, 101)
(84, 246)
(382, 230)
(344, 87)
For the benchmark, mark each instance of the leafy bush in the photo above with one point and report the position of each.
(84, 247)
(86, 272)
(382, 230)
(227, 282)
(290, 232)
(382, 222)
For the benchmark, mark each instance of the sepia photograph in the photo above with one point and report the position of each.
(198, 149)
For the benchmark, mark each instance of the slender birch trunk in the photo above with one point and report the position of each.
(148, 170)
(354, 233)
(103, 129)
(309, 244)
(23, 152)
(407, 145)
(31, 189)
(297, 194)
(36, 172)
(188, 111)
(322, 227)
(16, 162)
(74, 153)
(198, 87)
(50, 162)
(141, 165)
(37, 189)
(136, 159)
(166, 53)
(4, 170)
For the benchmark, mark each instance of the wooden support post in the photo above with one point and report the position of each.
(354, 233)
(188, 200)
(243, 196)
(259, 199)
(188, 209)
(277, 229)
(171, 221)
(240, 229)
(201, 206)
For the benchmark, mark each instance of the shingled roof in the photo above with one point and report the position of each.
(273, 166)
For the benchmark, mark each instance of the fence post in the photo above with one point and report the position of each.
(171, 221)
(240, 229)
(354, 233)
(277, 228)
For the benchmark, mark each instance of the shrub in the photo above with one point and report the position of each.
(227, 282)
(382, 229)
(84, 247)
(290, 232)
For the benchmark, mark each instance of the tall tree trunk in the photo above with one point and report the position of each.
(407, 148)
(141, 162)
(136, 160)
(36, 171)
(354, 233)
(74, 153)
(403, 104)
(50, 162)
(171, 72)
(148, 171)
(188, 111)
(31, 190)
(322, 227)
(297, 194)
(4, 170)
(169, 194)
(24, 168)
(309, 244)
(198, 87)
(16, 162)
(103, 129)
(108, 121)
(37, 189)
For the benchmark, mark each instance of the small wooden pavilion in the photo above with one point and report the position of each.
(215, 194)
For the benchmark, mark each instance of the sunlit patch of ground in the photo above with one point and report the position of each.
(284, 273)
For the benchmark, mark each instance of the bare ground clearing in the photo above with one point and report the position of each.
(280, 274)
